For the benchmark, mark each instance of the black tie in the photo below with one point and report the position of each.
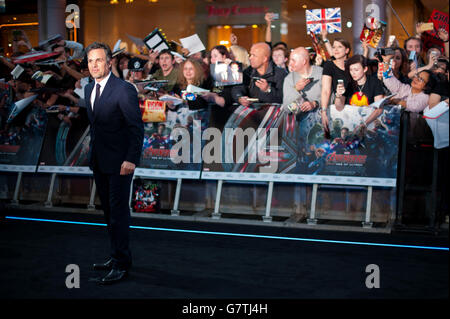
(97, 95)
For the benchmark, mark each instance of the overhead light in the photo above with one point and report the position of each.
(255, 26)
(153, 1)
(304, 6)
(224, 42)
(349, 24)
(113, 1)
(227, 27)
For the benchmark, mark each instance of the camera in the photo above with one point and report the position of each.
(384, 52)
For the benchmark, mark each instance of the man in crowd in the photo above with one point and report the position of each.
(168, 69)
(303, 84)
(262, 79)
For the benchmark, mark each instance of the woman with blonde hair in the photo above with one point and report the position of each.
(240, 55)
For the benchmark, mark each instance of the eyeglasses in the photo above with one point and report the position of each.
(420, 79)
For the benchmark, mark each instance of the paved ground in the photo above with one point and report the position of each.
(180, 261)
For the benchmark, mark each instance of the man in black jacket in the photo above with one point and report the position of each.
(262, 79)
(117, 133)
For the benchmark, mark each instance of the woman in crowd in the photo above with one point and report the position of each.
(240, 54)
(413, 97)
(280, 57)
(192, 74)
(220, 54)
(119, 66)
(432, 57)
(401, 69)
(362, 90)
(333, 71)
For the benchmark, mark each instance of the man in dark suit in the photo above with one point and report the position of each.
(117, 134)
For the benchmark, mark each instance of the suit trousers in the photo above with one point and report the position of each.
(114, 192)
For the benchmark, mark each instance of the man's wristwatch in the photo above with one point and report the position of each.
(269, 90)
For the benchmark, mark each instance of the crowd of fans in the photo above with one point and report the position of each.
(296, 78)
(270, 73)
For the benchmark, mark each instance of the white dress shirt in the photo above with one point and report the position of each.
(102, 86)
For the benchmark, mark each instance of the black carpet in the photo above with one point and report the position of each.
(180, 265)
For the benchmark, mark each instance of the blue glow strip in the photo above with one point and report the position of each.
(235, 234)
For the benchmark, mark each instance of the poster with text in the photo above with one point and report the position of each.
(182, 129)
(269, 143)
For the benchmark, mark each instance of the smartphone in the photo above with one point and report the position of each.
(391, 40)
(426, 27)
(412, 55)
(256, 78)
(275, 16)
(435, 54)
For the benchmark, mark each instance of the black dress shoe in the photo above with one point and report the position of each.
(105, 266)
(115, 275)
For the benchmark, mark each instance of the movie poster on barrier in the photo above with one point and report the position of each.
(258, 143)
(276, 145)
(355, 153)
(66, 143)
(163, 140)
(22, 132)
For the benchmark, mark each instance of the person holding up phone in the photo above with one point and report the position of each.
(433, 55)
(332, 71)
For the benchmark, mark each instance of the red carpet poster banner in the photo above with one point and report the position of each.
(282, 147)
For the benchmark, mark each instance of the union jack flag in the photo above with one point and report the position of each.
(329, 18)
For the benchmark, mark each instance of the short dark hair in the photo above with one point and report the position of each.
(431, 81)
(281, 43)
(222, 50)
(100, 45)
(345, 43)
(166, 51)
(358, 58)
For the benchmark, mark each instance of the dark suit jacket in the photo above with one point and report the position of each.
(116, 126)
